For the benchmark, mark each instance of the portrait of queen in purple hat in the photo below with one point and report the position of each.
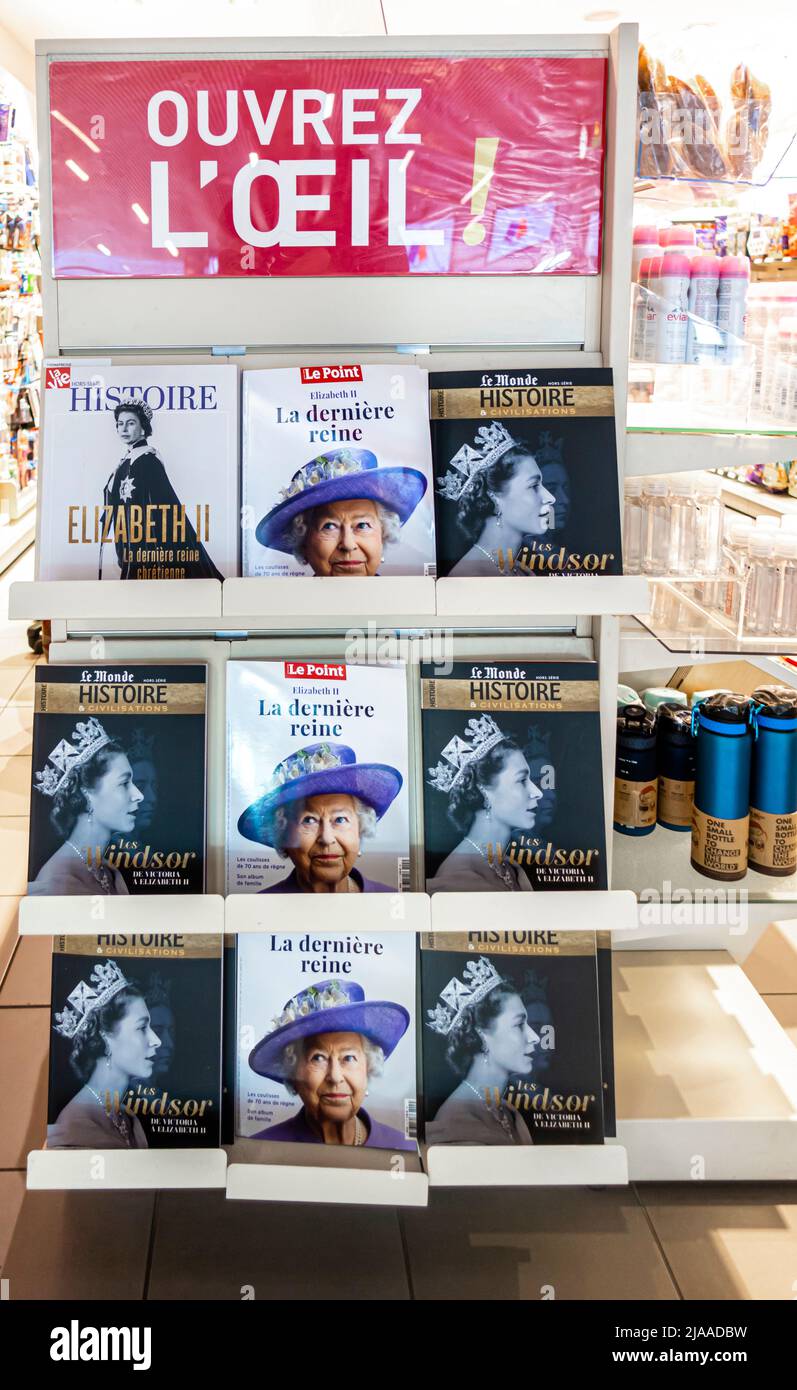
(326, 1047)
(320, 804)
(341, 510)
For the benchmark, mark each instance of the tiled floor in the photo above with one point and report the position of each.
(653, 1242)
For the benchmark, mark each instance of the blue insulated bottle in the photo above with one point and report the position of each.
(722, 786)
(635, 771)
(675, 757)
(772, 843)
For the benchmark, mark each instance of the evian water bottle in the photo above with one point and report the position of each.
(732, 307)
(702, 337)
(673, 317)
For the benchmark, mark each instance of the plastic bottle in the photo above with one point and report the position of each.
(702, 337)
(772, 840)
(633, 526)
(673, 318)
(734, 280)
(720, 818)
(759, 608)
(656, 553)
(736, 559)
(652, 310)
(759, 314)
(785, 383)
(682, 526)
(645, 244)
(639, 312)
(785, 616)
(709, 519)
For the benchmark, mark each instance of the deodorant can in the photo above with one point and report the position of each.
(675, 755)
(635, 771)
(773, 784)
(721, 814)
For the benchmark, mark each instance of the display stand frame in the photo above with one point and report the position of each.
(580, 322)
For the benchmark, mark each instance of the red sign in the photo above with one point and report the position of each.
(57, 378)
(313, 374)
(327, 166)
(314, 671)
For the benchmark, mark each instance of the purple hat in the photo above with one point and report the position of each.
(319, 769)
(331, 1006)
(340, 475)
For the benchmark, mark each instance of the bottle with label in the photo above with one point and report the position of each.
(773, 786)
(734, 280)
(635, 771)
(785, 617)
(720, 819)
(702, 336)
(645, 243)
(682, 526)
(736, 559)
(673, 316)
(633, 526)
(762, 585)
(656, 553)
(653, 309)
(675, 755)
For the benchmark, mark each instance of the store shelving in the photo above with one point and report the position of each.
(546, 1165)
(388, 912)
(650, 861)
(130, 1170)
(79, 916)
(659, 451)
(263, 1172)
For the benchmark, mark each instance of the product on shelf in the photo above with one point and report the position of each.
(675, 765)
(656, 695)
(337, 471)
(772, 843)
(734, 282)
(722, 787)
(118, 791)
(747, 129)
(510, 751)
(317, 778)
(525, 469)
(511, 1038)
(140, 472)
(635, 775)
(702, 338)
(135, 1053)
(332, 1018)
(626, 696)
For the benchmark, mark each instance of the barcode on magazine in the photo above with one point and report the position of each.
(404, 881)
(410, 1119)
(430, 569)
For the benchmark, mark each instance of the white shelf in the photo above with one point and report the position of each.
(591, 910)
(342, 912)
(522, 597)
(739, 1150)
(284, 603)
(655, 451)
(663, 857)
(543, 1165)
(167, 600)
(100, 1169)
(271, 1182)
(187, 915)
(17, 535)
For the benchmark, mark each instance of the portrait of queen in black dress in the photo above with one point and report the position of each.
(139, 482)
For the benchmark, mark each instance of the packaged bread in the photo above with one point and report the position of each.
(747, 128)
(655, 158)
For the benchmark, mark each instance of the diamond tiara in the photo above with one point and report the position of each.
(479, 737)
(105, 981)
(478, 978)
(490, 443)
(66, 756)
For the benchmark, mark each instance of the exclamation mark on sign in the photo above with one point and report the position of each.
(483, 166)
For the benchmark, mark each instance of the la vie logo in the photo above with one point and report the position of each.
(57, 378)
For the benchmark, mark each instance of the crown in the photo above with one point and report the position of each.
(322, 469)
(479, 737)
(490, 443)
(105, 981)
(66, 756)
(302, 763)
(136, 403)
(478, 978)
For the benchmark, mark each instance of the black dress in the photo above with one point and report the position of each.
(141, 481)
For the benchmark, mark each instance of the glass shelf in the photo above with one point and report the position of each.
(684, 626)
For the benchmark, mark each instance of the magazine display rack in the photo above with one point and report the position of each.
(578, 322)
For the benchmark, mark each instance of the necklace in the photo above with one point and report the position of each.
(503, 870)
(491, 558)
(497, 1113)
(101, 875)
(359, 1132)
(119, 1122)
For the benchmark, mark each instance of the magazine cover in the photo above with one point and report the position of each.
(525, 466)
(118, 793)
(135, 1051)
(326, 1029)
(513, 782)
(316, 778)
(337, 471)
(511, 1038)
(140, 472)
